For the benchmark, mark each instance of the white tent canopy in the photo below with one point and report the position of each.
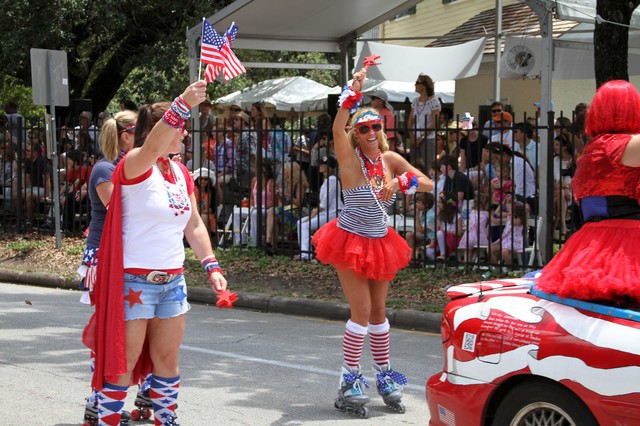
(585, 11)
(403, 63)
(283, 94)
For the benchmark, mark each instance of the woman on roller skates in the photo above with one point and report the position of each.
(140, 292)
(116, 139)
(601, 261)
(364, 250)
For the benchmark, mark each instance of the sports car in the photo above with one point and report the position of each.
(514, 355)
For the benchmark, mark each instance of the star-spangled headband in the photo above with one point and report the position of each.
(368, 117)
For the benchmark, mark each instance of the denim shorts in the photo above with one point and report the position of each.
(143, 300)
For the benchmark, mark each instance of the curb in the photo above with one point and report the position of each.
(408, 319)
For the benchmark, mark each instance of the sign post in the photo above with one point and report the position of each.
(50, 84)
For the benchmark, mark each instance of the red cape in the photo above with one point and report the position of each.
(105, 333)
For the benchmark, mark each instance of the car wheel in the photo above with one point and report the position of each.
(537, 404)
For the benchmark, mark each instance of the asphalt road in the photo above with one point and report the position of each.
(238, 367)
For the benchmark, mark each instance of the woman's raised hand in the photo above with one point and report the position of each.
(195, 93)
(358, 80)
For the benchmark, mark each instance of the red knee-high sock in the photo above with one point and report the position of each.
(379, 341)
(352, 343)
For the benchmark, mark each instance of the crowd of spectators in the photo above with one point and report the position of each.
(266, 181)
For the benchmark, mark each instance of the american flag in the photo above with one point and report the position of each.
(446, 416)
(232, 65)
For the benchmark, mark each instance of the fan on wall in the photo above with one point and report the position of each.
(517, 62)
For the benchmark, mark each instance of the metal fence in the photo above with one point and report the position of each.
(258, 185)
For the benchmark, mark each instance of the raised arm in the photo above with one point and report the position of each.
(138, 161)
(344, 150)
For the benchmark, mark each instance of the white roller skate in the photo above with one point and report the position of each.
(388, 383)
(91, 414)
(351, 397)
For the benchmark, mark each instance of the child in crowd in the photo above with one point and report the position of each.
(512, 239)
(477, 233)
(502, 184)
(425, 222)
(449, 226)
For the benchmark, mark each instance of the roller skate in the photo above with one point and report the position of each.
(91, 414)
(351, 398)
(144, 406)
(388, 383)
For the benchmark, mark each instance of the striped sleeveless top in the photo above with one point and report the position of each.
(363, 214)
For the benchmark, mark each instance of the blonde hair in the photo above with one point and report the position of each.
(111, 131)
(295, 175)
(382, 138)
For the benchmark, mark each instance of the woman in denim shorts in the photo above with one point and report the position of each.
(140, 292)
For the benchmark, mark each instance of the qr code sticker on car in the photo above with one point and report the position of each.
(469, 342)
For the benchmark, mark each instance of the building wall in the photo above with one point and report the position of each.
(433, 18)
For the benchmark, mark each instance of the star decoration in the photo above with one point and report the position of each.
(226, 299)
(371, 60)
(180, 294)
(133, 297)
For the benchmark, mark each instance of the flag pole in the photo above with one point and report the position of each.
(200, 60)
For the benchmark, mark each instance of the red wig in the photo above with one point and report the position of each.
(615, 109)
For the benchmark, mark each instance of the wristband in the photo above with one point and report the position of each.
(181, 107)
(211, 265)
(408, 183)
(171, 118)
(350, 99)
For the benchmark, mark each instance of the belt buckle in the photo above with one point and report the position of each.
(158, 277)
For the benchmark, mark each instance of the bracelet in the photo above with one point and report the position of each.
(171, 118)
(408, 183)
(181, 107)
(211, 265)
(350, 99)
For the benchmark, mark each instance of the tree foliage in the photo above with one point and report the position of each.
(124, 48)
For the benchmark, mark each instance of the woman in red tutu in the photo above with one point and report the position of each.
(364, 250)
(601, 261)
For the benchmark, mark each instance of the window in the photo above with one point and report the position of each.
(408, 12)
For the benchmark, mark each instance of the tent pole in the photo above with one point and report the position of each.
(498, 51)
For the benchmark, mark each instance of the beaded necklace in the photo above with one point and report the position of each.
(178, 201)
(374, 171)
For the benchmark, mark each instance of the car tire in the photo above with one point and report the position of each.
(540, 404)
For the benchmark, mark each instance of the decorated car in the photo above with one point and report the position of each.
(514, 355)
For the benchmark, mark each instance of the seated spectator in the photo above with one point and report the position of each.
(441, 145)
(424, 229)
(301, 151)
(449, 227)
(267, 183)
(70, 189)
(223, 157)
(512, 239)
(330, 205)
(260, 123)
(454, 134)
(206, 159)
(524, 143)
(502, 121)
(379, 102)
(489, 128)
(522, 173)
(455, 181)
(563, 167)
(477, 233)
(8, 173)
(245, 143)
(289, 202)
(280, 142)
(36, 180)
(206, 197)
(502, 185)
(471, 146)
(87, 135)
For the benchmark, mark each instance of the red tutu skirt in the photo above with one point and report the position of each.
(599, 262)
(373, 258)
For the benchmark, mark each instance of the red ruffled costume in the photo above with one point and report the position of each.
(373, 258)
(105, 333)
(602, 260)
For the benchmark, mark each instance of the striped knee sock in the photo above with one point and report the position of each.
(164, 395)
(352, 343)
(379, 341)
(110, 402)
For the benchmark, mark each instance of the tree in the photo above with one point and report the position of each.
(611, 41)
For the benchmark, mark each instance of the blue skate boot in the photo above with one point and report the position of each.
(388, 383)
(351, 398)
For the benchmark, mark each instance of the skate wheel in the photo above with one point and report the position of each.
(147, 414)
(400, 408)
(362, 412)
(136, 415)
(86, 424)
